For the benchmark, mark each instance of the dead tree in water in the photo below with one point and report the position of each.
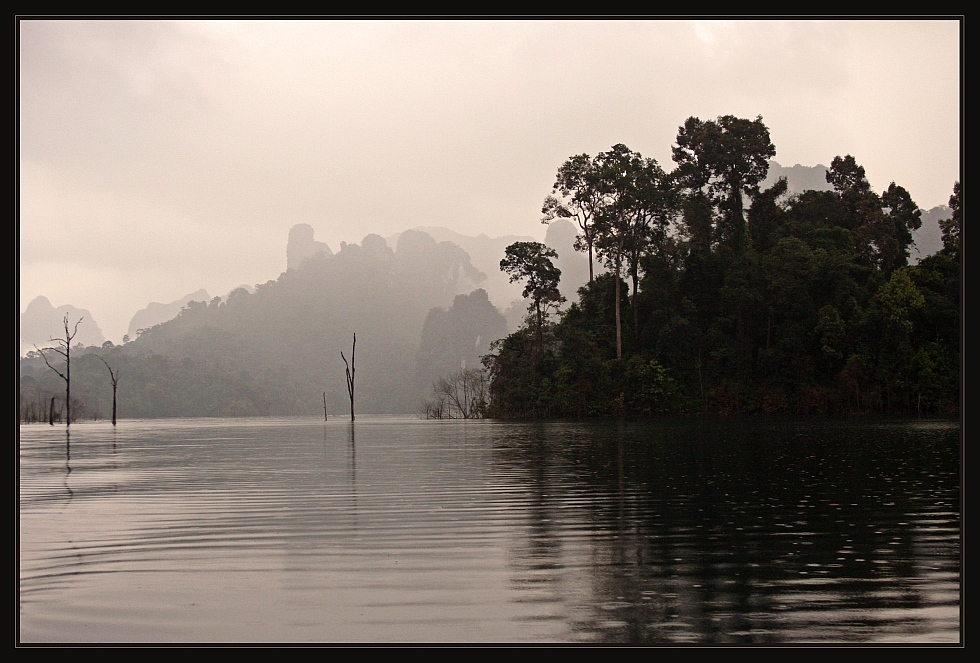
(114, 376)
(324, 406)
(63, 349)
(463, 394)
(350, 375)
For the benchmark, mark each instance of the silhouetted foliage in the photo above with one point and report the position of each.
(807, 306)
(799, 302)
(531, 262)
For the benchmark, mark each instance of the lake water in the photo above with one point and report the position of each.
(401, 530)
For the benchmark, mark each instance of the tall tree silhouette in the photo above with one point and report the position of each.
(731, 157)
(577, 196)
(532, 261)
(638, 205)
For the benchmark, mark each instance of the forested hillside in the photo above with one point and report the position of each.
(277, 350)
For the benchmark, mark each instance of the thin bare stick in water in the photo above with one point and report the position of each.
(350, 375)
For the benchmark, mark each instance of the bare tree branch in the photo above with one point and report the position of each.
(114, 377)
(463, 394)
(350, 375)
(64, 349)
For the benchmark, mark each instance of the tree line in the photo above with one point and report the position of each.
(718, 296)
(740, 299)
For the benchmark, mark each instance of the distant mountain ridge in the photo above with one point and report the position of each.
(301, 246)
(417, 310)
(484, 253)
(156, 313)
(929, 238)
(799, 178)
(42, 322)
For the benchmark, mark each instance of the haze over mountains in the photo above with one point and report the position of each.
(41, 321)
(417, 309)
(420, 308)
(155, 313)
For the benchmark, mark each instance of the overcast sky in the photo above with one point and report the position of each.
(160, 157)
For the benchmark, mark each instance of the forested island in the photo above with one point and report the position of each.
(726, 298)
(706, 291)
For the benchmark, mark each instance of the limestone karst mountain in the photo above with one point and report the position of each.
(156, 313)
(276, 350)
(799, 178)
(41, 322)
(485, 253)
(301, 246)
(929, 237)
(456, 338)
(574, 265)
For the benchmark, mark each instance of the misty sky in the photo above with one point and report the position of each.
(160, 157)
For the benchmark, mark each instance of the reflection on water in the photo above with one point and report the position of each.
(289, 530)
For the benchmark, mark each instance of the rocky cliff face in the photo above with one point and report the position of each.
(799, 178)
(41, 322)
(301, 246)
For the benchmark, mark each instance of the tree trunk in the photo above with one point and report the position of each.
(619, 324)
(114, 377)
(64, 349)
(704, 403)
(350, 375)
(537, 307)
(636, 313)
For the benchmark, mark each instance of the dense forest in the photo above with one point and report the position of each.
(723, 297)
(706, 291)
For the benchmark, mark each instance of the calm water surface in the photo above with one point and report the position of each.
(401, 530)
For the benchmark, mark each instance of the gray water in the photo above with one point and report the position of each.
(402, 530)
